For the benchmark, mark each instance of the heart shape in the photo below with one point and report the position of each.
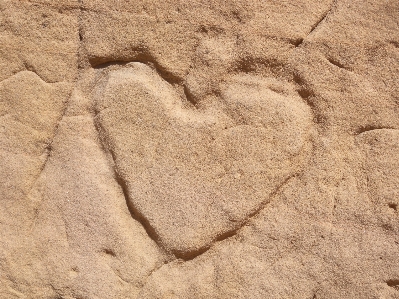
(197, 174)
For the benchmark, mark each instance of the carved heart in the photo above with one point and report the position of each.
(197, 174)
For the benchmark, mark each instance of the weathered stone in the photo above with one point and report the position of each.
(199, 149)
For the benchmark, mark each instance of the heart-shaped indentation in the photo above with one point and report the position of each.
(196, 174)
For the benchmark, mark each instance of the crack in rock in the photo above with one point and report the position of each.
(317, 24)
(106, 67)
(140, 217)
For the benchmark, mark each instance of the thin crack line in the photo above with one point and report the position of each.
(323, 17)
(318, 23)
(48, 152)
(48, 149)
(231, 233)
(151, 232)
(28, 69)
(134, 212)
(32, 69)
(138, 216)
(368, 128)
(152, 272)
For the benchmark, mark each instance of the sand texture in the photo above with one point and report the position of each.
(199, 149)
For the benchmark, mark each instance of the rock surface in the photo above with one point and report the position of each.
(199, 149)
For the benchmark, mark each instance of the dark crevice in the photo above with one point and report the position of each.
(393, 206)
(272, 195)
(367, 128)
(154, 270)
(337, 64)
(298, 79)
(246, 65)
(236, 16)
(80, 3)
(82, 53)
(394, 43)
(134, 212)
(164, 74)
(109, 252)
(393, 283)
(57, 292)
(308, 97)
(47, 4)
(306, 94)
(316, 25)
(211, 29)
(99, 11)
(187, 256)
(296, 42)
(291, 40)
(190, 255)
(49, 145)
(313, 28)
(143, 56)
(388, 227)
(111, 63)
(252, 64)
(321, 19)
(32, 69)
(189, 96)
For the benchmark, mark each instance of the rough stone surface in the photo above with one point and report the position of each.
(199, 149)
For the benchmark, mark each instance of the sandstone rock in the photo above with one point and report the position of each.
(199, 149)
(195, 175)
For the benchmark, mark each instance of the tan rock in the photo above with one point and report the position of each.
(196, 175)
(199, 149)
